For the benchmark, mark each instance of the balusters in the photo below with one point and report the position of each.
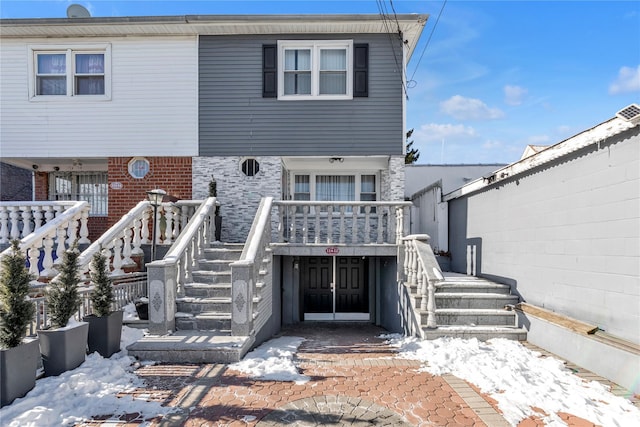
(26, 220)
(316, 210)
(34, 258)
(305, 224)
(4, 225)
(354, 226)
(367, 224)
(72, 232)
(329, 224)
(379, 211)
(168, 231)
(117, 257)
(37, 217)
(144, 231)
(126, 248)
(47, 261)
(281, 224)
(61, 235)
(342, 209)
(137, 238)
(14, 219)
(292, 226)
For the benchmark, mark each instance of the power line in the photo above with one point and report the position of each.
(428, 40)
(382, 8)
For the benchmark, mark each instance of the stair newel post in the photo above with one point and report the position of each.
(162, 297)
(242, 298)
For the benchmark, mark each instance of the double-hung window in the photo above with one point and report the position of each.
(62, 72)
(315, 69)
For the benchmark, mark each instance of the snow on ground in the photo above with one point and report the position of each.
(85, 392)
(520, 379)
(273, 360)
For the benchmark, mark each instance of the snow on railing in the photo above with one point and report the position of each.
(45, 246)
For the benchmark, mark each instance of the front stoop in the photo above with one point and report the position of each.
(192, 347)
(472, 307)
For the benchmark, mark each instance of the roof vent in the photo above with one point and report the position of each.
(77, 11)
(630, 113)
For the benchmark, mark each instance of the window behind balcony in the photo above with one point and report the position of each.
(91, 187)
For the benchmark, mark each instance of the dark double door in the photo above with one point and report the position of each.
(334, 288)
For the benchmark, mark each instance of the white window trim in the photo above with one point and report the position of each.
(315, 46)
(69, 50)
(132, 171)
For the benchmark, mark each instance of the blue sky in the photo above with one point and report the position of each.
(494, 77)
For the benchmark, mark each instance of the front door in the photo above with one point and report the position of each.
(334, 288)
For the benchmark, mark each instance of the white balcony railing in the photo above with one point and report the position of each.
(355, 223)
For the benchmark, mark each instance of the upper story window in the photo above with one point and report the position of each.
(315, 69)
(59, 72)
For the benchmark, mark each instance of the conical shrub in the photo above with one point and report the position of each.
(16, 311)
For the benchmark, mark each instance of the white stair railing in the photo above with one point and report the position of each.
(43, 247)
(246, 274)
(421, 270)
(166, 277)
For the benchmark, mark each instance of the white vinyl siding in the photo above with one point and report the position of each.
(153, 110)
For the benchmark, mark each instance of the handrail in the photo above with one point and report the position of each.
(422, 270)
(167, 277)
(246, 275)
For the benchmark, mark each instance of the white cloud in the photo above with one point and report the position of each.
(513, 95)
(628, 81)
(462, 108)
(491, 144)
(434, 132)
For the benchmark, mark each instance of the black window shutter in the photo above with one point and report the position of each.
(269, 71)
(361, 70)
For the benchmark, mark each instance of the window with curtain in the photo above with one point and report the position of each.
(322, 187)
(335, 187)
(70, 72)
(315, 69)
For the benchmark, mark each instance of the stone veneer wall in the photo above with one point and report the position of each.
(392, 180)
(238, 194)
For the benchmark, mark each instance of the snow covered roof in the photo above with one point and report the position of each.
(615, 126)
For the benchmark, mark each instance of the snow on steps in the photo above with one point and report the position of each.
(472, 307)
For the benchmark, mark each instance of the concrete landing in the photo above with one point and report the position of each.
(192, 347)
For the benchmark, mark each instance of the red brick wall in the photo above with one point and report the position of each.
(171, 174)
(41, 186)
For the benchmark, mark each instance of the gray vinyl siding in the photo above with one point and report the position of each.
(236, 120)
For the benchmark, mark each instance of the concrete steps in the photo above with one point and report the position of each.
(472, 307)
(203, 318)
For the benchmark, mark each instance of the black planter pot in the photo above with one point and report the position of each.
(105, 333)
(218, 223)
(63, 349)
(142, 308)
(18, 367)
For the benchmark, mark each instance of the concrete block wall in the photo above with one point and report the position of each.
(238, 194)
(565, 236)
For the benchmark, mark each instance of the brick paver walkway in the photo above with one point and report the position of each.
(355, 380)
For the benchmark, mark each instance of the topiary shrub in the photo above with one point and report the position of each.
(16, 311)
(63, 299)
(102, 294)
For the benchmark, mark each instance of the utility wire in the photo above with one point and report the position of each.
(428, 40)
(382, 8)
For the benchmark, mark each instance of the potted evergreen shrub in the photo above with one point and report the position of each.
(63, 346)
(105, 326)
(213, 192)
(18, 355)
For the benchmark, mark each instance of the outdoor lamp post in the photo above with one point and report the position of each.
(155, 198)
